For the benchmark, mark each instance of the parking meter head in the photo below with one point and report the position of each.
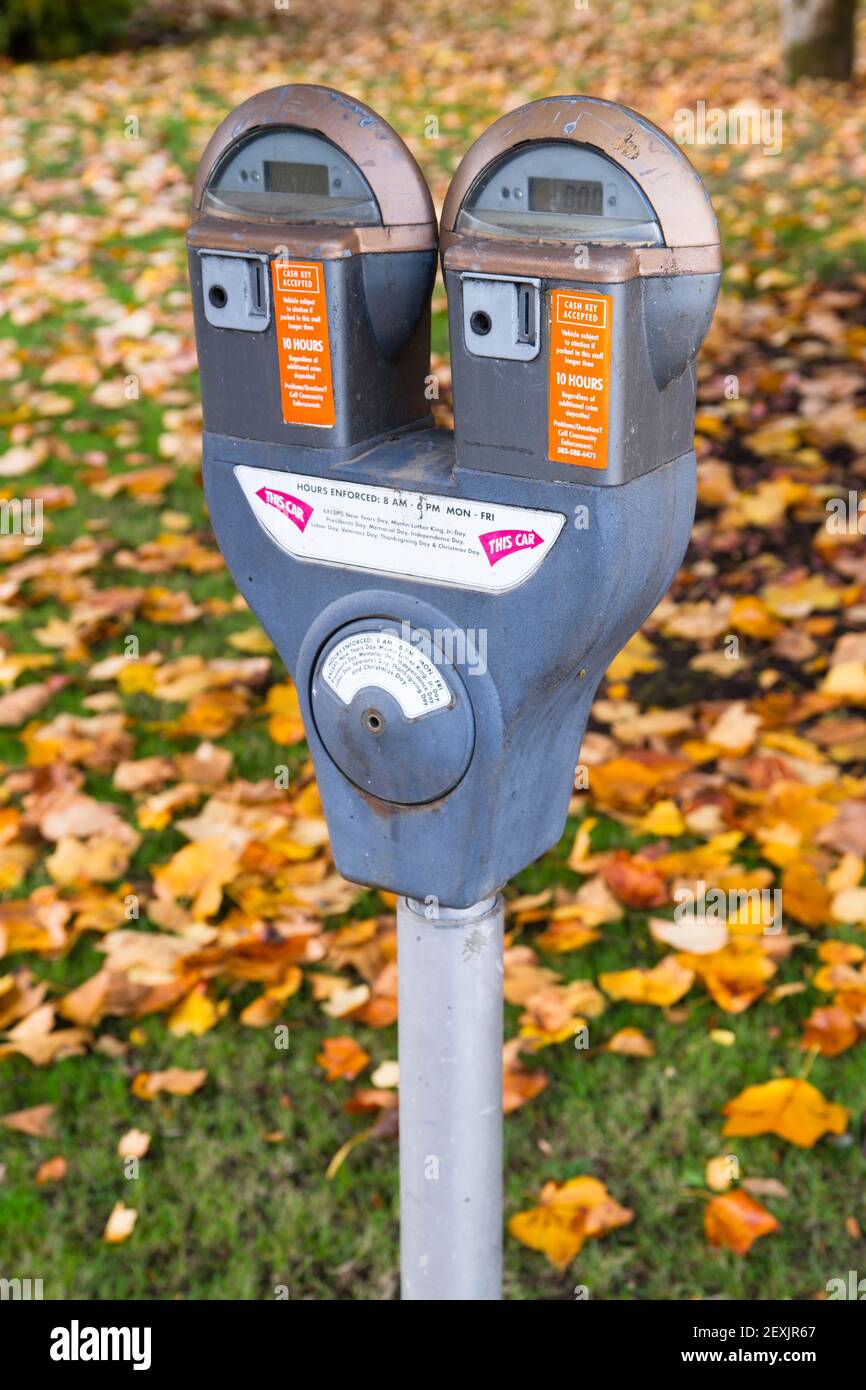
(447, 604)
(581, 260)
(312, 252)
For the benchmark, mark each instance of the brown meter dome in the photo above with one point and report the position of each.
(315, 163)
(609, 178)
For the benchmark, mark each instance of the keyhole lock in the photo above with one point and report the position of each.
(501, 316)
(372, 721)
(397, 724)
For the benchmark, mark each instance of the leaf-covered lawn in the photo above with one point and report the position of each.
(181, 960)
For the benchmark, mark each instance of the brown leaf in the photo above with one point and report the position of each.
(37, 1121)
(829, 1029)
(519, 1085)
(175, 1080)
(630, 1042)
(120, 1224)
(25, 702)
(635, 881)
(52, 1170)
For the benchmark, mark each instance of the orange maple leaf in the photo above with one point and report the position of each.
(735, 1220)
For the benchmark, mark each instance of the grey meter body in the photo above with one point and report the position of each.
(448, 602)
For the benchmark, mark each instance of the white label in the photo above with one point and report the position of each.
(449, 540)
(383, 659)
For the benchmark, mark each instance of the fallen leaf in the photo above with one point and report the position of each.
(342, 1059)
(568, 1215)
(37, 1121)
(133, 1144)
(519, 1085)
(792, 1108)
(735, 1220)
(635, 881)
(196, 1014)
(662, 986)
(285, 725)
(387, 1075)
(120, 1224)
(720, 1172)
(630, 1042)
(52, 1170)
(830, 1030)
(175, 1080)
(697, 935)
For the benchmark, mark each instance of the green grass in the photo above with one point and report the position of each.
(224, 1213)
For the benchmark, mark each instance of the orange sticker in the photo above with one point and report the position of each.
(302, 343)
(578, 397)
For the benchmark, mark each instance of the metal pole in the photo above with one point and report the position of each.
(449, 964)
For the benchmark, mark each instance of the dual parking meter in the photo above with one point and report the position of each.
(447, 603)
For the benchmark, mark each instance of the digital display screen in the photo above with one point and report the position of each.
(281, 177)
(576, 196)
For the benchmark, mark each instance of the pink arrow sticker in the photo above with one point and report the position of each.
(498, 544)
(292, 507)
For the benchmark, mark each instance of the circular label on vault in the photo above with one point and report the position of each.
(385, 660)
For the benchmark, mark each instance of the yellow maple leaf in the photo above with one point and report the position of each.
(662, 986)
(751, 616)
(637, 657)
(568, 1215)
(137, 677)
(252, 640)
(805, 596)
(285, 725)
(198, 872)
(735, 976)
(792, 1108)
(846, 681)
(196, 1013)
(664, 819)
(806, 898)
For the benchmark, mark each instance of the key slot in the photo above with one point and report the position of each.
(525, 314)
(258, 303)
